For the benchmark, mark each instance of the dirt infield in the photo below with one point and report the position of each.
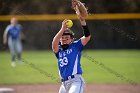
(90, 88)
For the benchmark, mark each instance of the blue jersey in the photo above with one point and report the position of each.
(13, 31)
(69, 59)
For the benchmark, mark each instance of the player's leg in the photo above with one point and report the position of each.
(18, 47)
(12, 51)
(62, 89)
(77, 86)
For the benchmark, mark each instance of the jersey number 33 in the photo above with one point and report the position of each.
(63, 61)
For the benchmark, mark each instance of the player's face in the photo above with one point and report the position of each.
(13, 21)
(66, 39)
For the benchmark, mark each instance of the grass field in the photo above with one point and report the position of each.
(41, 67)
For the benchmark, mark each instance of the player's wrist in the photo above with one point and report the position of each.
(62, 29)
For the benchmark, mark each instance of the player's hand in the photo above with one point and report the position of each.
(81, 18)
(64, 25)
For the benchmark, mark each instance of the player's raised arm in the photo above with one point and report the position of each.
(86, 32)
(56, 39)
(81, 13)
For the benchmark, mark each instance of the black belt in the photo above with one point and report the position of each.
(67, 78)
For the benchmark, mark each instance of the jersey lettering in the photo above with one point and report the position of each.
(65, 53)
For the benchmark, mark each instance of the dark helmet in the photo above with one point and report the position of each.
(69, 32)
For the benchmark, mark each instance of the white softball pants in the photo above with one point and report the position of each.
(15, 47)
(75, 85)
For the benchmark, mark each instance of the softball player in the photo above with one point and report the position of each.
(68, 53)
(13, 34)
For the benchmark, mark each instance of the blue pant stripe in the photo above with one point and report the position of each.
(80, 86)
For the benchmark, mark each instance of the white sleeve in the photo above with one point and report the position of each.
(7, 29)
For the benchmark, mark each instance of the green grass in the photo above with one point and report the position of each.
(41, 67)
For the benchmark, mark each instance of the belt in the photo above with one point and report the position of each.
(67, 78)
